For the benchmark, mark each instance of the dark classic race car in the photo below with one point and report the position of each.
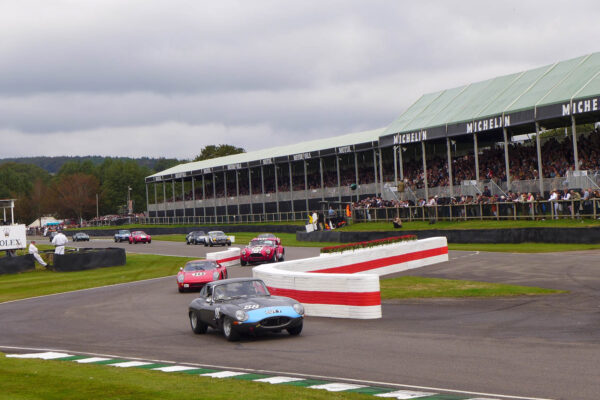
(243, 305)
(139, 237)
(197, 273)
(81, 237)
(217, 238)
(261, 250)
(196, 237)
(122, 235)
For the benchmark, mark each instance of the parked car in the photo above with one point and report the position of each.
(196, 237)
(122, 235)
(81, 237)
(269, 236)
(217, 238)
(243, 305)
(197, 273)
(261, 250)
(139, 237)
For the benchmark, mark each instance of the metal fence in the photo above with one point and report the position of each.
(535, 210)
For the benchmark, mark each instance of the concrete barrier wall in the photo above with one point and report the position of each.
(346, 285)
(226, 258)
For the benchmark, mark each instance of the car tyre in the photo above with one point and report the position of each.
(243, 263)
(230, 334)
(180, 289)
(187, 242)
(198, 326)
(295, 331)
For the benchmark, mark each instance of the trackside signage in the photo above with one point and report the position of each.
(488, 124)
(12, 237)
(580, 106)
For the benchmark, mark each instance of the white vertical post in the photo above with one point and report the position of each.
(506, 159)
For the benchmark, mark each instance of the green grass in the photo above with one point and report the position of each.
(523, 247)
(416, 287)
(287, 239)
(25, 379)
(43, 282)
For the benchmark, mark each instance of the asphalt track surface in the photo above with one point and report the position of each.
(526, 347)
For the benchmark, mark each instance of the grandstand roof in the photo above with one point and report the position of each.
(297, 151)
(548, 93)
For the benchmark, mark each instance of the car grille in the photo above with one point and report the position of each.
(258, 257)
(275, 321)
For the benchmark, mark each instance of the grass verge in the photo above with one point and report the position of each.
(416, 287)
(44, 282)
(25, 379)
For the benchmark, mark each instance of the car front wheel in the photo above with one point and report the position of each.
(228, 331)
(295, 331)
(243, 263)
(197, 326)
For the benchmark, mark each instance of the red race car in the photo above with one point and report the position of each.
(262, 250)
(139, 237)
(197, 273)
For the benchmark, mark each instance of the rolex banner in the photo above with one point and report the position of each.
(12, 237)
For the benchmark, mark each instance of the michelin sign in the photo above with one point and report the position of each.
(12, 237)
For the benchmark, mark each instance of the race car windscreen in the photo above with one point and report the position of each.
(262, 243)
(199, 266)
(240, 289)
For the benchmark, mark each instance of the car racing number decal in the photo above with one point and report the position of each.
(217, 312)
(251, 306)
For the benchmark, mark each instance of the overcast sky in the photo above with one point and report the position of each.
(166, 78)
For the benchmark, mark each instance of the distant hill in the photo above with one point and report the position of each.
(53, 164)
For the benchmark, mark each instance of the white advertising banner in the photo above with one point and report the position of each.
(12, 237)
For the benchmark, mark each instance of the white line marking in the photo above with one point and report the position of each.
(223, 374)
(91, 360)
(337, 387)
(174, 368)
(405, 394)
(302, 376)
(274, 380)
(51, 355)
(129, 364)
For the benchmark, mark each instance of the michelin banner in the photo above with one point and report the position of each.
(12, 237)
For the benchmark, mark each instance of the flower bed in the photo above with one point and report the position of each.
(365, 245)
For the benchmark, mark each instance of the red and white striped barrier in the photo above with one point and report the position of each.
(226, 258)
(346, 285)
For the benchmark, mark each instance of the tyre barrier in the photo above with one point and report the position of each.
(227, 258)
(14, 265)
(346, 285)
(87, 258)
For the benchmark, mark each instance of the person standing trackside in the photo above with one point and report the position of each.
(59, 241)
(33, 250)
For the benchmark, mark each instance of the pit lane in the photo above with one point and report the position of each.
(535, 346)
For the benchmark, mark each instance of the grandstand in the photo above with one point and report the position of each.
(454, 142)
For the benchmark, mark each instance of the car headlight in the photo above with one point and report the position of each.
(268, 251)
(241, 315)
(215, 275)
(299, 308)
(180, 278)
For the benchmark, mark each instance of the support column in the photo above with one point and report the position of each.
(165, 197)
(322, 183)
(226, 195)
(356, 174)
(183, 195)
(395, 165)
(339, 183)
(476, 153)
(203, 198)
(250, 192)
(380, 152)
(173, 191)
(215, 194)
(155, 200)
(262, 182)
(147, 200)
(425, 182)
(450, 175)
(305, 185)
(237, 191)
(375, 170)
(292, 191)
(506, 159)
(401, 161)
(539, 157)
(277, 191)
(575, 153)
(194, 197)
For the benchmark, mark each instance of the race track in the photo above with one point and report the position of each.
(535, 347)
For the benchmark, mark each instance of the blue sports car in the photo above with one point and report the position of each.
(243, 306)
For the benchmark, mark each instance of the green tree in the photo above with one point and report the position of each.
(75, 195)
(212, 151)
(116, 177)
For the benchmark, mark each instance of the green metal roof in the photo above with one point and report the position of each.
(527, 90)
(288, 150)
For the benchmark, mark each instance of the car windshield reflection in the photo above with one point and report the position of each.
(199, 266)
(237, 290)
